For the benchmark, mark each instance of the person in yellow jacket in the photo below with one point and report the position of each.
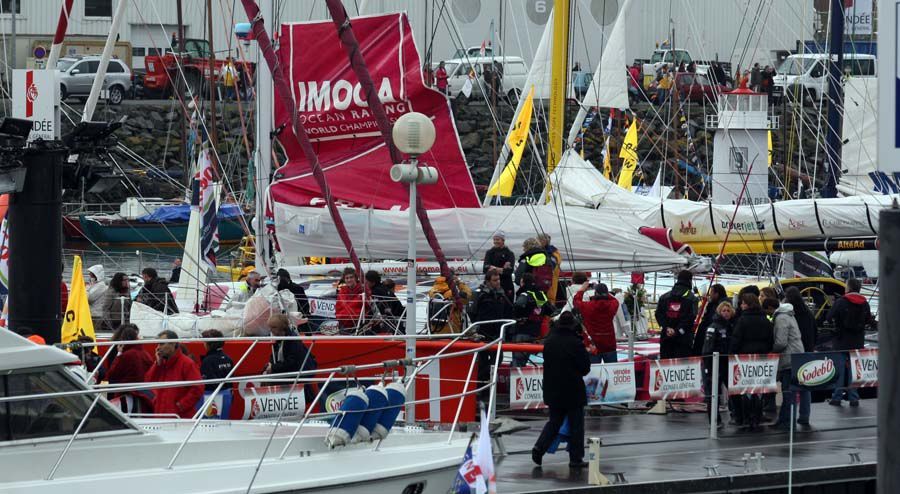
(444, 314)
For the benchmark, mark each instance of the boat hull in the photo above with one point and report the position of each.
(126, 234)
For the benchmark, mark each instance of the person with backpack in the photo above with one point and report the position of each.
(787, 342)
(444, 314)
(489, 303)
(555, 261)
(597, 315)
(675, 314)
(850, 314)
(534, 260)
(529, 309)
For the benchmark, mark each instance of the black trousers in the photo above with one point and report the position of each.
(486, 359)
(576, 431)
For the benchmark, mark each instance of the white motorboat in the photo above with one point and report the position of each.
(47, 447)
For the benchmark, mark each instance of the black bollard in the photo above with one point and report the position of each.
(888, 350)
(35, 244)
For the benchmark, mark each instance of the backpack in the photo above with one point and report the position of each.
(438, 311)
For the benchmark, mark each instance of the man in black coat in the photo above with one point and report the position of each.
(850, 314)
(155, 293)
(566, 362)
(716, 295)
(501, 258)
(489, 303)
(675, 314)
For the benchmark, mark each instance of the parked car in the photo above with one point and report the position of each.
(806, 74)
(697, 87)
(513, 81)
(76, 76)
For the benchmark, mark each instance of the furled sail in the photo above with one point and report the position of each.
(860, 129)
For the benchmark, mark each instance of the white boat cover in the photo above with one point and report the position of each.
(860, 131)
(577, 183)
(587, 239)
(250, 320)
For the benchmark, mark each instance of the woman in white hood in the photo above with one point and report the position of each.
(96, 289)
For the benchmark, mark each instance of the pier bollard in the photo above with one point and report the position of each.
(595, 477)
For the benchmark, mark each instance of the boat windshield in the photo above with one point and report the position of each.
(795, 66)
(52, 416)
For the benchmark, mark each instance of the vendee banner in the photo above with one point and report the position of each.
(752, 374)
(864, 368)
(813, 371)
(332, 107)
(526, 388)
(610, 383)
(676, 378)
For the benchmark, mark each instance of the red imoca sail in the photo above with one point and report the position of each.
(332, 107)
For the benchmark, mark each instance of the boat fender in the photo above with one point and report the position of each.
(344, 425)
(378, 400)
(396, 394)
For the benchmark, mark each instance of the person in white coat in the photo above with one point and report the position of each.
(787, 341)
(96, 291)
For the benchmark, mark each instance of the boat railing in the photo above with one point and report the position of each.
(414, 366)
(71, 208)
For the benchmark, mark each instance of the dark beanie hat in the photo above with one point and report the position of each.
(685, 276)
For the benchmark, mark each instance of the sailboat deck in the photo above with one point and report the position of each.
(669, 454)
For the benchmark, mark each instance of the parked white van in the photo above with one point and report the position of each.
(809, 72)
(514, 74)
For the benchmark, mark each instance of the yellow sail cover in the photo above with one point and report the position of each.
(516, 141)
(77, 321)
(628, 153)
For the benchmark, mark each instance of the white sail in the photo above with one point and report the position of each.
(192, 282)
(539, 78)
(609, 87)
(860, 131)
(587, 239)
(579, 184)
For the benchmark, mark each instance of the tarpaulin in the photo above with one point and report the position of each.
(182, 213)
(332, 108)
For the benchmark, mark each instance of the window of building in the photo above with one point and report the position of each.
(98, 8)
(737, 160)
(47, 417)
(7, 7)
(138, 52)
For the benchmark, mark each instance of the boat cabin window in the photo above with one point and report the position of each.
(47, 417)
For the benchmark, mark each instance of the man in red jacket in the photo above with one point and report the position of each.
(598, 313)
(173, 365)
(349, 307)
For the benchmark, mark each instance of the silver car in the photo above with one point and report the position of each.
(76, 75)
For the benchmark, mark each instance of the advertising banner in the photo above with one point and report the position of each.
(220, 408)
(267, 402)
(864, 368)
(752, 374)
(334, 110)
(610, 383)
(35, 95)
(858, 17)
(676, 378)
(526, 388)
(322, 307)
(814, 371)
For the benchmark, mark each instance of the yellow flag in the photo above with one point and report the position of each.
(517, 139)
(607, 167)
(770, 148)
(77, 321)
(628, 153)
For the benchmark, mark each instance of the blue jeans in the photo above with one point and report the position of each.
(607, 357)
(520, 359)
(852, 394)
(787, 395)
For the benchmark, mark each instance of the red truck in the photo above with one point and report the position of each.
(162, 71)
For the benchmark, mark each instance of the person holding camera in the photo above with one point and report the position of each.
(598, 313)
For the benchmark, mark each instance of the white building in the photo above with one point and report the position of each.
(738, 31)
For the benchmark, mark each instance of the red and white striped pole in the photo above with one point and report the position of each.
(60, 35)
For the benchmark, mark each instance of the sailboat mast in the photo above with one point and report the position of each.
(213, 83)
(558, 80)
(263, 157)
(61, 27)
(179, 88)
(833, 142)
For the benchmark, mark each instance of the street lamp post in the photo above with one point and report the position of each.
(413, 134)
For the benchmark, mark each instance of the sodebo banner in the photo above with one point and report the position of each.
(752, 374)
(35, 95)
(676, 378)
(814, 371)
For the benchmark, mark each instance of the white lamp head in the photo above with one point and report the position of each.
(413, 134)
